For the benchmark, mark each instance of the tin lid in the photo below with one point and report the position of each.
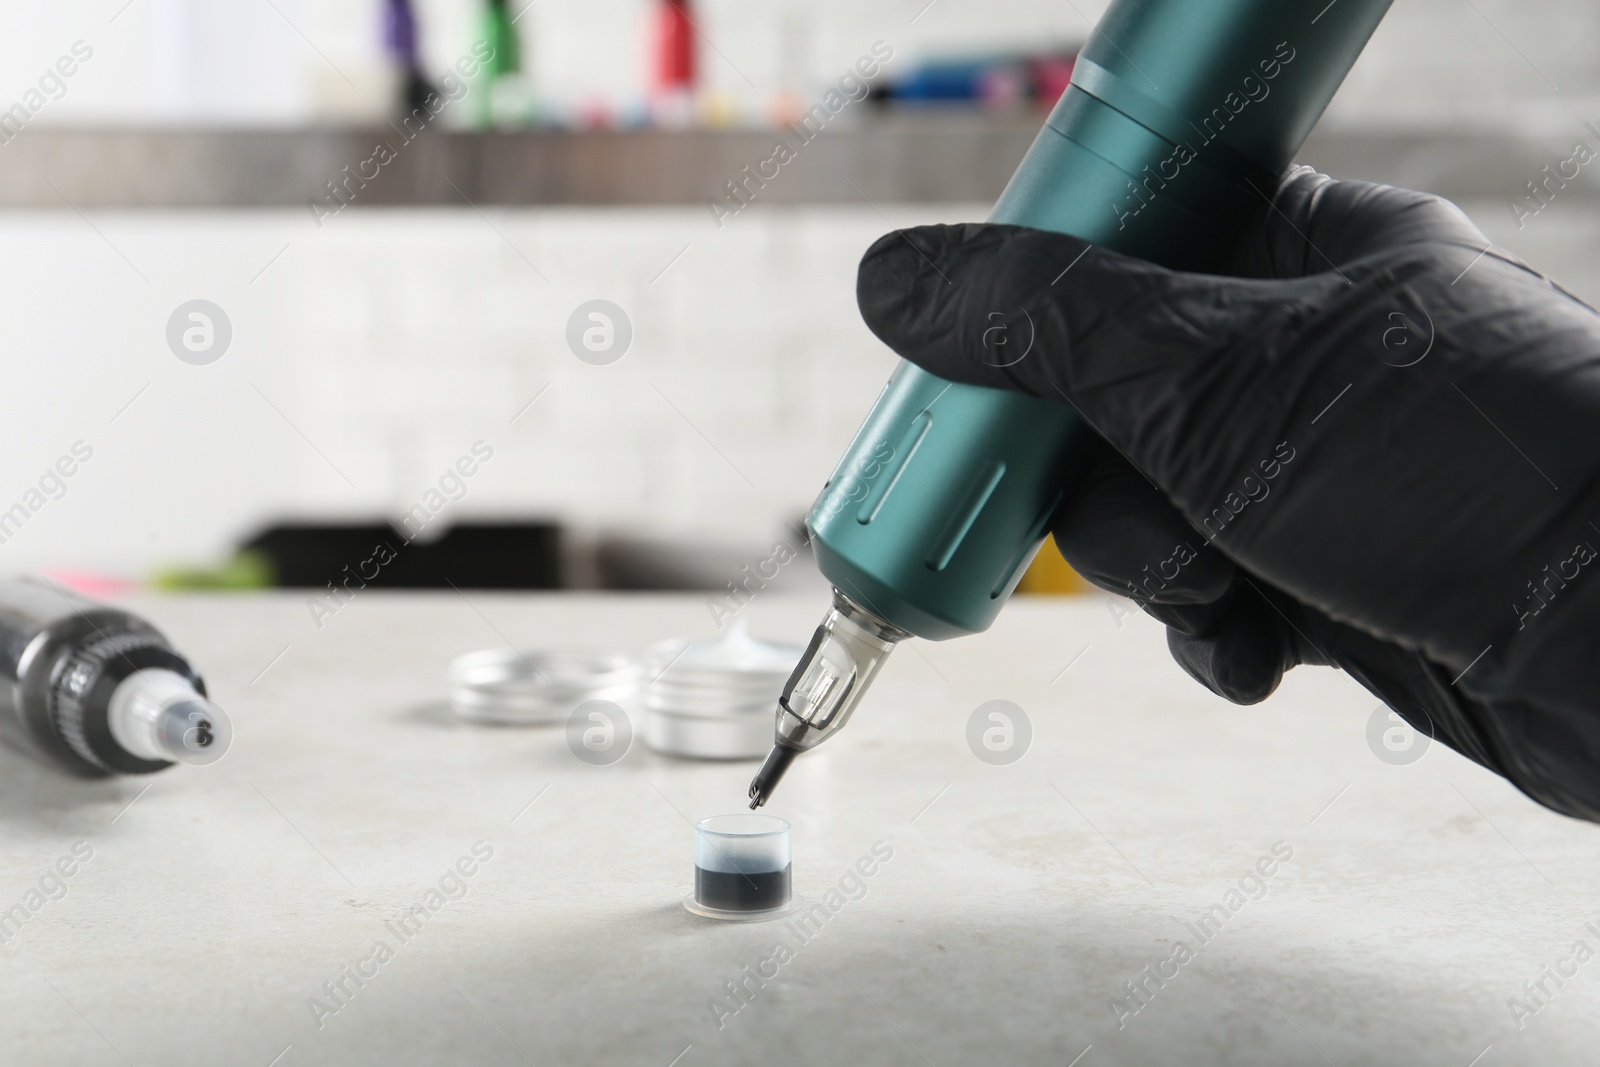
(510, 687)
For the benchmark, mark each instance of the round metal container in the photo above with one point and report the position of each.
(714, 699)
(744, 737)
(510, 688)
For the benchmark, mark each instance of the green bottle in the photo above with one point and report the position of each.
(503, 100)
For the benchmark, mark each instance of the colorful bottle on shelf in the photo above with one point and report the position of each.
(674, 64)
(400, 40)
(505, 100)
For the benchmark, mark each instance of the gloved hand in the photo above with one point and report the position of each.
(1377, 447)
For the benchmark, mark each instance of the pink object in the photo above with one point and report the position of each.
(1051, 76)
(596, 114)
(97, 586)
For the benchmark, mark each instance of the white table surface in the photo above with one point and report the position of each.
(1018, 901)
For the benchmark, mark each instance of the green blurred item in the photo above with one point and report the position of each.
(501, 36)
(246, 570)
(505, 100)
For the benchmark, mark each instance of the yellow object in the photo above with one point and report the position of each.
(718, 109)
(1050, 574)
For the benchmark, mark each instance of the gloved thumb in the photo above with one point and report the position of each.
(1126, 342)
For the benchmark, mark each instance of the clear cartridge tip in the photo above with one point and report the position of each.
(844, 656)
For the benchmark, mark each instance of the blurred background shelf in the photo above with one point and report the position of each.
(161, 152)
(902, 159)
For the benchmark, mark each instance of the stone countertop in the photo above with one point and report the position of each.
(1404, 904)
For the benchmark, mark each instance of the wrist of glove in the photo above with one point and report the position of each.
(1372, 448)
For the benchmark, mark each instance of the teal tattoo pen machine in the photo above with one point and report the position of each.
(1180, 120)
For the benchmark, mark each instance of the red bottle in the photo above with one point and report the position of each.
(674, 47)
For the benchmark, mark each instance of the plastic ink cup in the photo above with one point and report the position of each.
(741, 868)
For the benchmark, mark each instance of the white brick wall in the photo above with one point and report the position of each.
(391, 340)
(394, 339)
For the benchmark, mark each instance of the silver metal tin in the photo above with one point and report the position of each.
(505, 687)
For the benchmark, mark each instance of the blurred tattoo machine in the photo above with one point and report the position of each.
(99, 690)
(1179, 121)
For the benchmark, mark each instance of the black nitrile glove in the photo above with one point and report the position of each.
(1378, 447)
